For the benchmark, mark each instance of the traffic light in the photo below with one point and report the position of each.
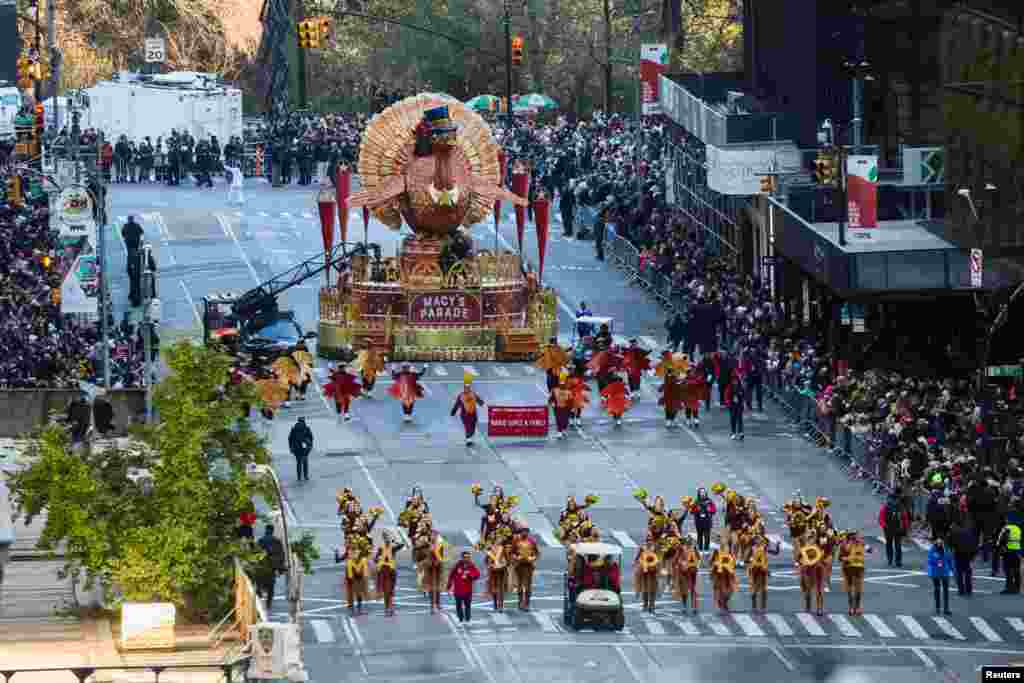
(324, 28)
(46, 261)
(14, 190)
(40, 120)
(825, 169)
(517, 51)
(767, 184)
(309, 35)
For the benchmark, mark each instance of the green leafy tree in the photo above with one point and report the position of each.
(169, 538)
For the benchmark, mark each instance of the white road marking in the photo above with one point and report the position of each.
(923, 545)
(501, 619)
(782, 658)
(654, 627)
(529, 369)
(775, 538)
(348, 632)
(546, 623)
(307, 214)
(191, 303)
(549, 539)
(322, 630)
(285, 214)
(986, 630)
(264, 214)
(226, 227)
(440, 371)
(502, 371)
(844, 626)
(629, 665)
(928, 661)
(1017, 623)
(948, 628)
(649, 342)
(880, 626)
(748, 625)
(915, 628)
(687, 627)
(809, 623)
(356, 633)
(472, 535)
(624, 540)
(716, 625)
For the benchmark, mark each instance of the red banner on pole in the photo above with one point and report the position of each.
(541, 217)
(517, 421)
(343, 187)
(502, 160)
(366, 224)
(521, 187)
(325, 205)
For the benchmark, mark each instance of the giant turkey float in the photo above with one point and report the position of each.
(432, 164)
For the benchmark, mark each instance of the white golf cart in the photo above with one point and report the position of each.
(591, 597)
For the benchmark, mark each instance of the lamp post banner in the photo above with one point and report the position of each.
(653, 60)
(517, 420)
(862, 190)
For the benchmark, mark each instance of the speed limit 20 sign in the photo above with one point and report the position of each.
(155, 50)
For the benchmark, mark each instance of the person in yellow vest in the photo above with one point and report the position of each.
(645, 573)
(466, 406)
(810, 563)
(684, 574)
(723, 577)
(357, 568)
(757, 571)
(525, 555)
(387, 571)
(1010, 538)
(851, 556)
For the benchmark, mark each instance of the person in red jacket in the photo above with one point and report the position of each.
(894, 520)
(460, 585)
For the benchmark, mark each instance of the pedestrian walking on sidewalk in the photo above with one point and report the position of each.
(895, 522)
(272, 564)
(460, 585)
(300, 441)
(940, 568)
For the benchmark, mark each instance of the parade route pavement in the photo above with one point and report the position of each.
(215, 247)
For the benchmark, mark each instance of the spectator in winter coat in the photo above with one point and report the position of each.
(676, 328)
(938, 515)
(940, 568)
(460, 585)
(965, 546)
(300, 441)
(894, 520)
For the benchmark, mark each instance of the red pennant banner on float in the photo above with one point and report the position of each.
(521, 187)
(325, 205)
(343, 187)
(502, 160)
(366, 223)
(541, 216)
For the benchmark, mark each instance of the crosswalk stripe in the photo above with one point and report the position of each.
(529, 370)
(264, 214)
(809, 623)
(549, 539)
(285, 214)
(779, 624)
(749, 626)
(546, 623)
(844, 626)
(687, 627)
(1017, 624)
(986, 630)
(441, 372)
(473, 535)
(501, 619)
(323, 631)
(948, 628)
(717, 626)
(654, 628)
(880, 626)
(775, 538)
(915, 628)
(624, 540)
(502, 372)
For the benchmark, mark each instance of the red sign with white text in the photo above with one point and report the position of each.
(517, 421)
(445, 308)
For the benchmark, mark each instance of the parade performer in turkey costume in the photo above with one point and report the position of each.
(572, 521)
(616, 398)
(387, 571)
(579, 390)
(357, 568)
(851, 555)
(604, 365)
(466, 406)
(696, 390)
(672, 390)
(735, 521)
(430, 573)
(525, 554)
(798, 514)
(636, 362)
(343, 387)
(812, 573)
(757, 571)
(421, 538)
(552, 360)
(407, 389)
(370, 363)
(415, 507)
(645, 573)
(498, 555)
(561, 403)
(684, 574)
(723, 577)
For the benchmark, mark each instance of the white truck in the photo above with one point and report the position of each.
(182, 101)
(10, 104)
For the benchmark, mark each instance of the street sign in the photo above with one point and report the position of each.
(976, 267)
(156, 50)
(1005, 371)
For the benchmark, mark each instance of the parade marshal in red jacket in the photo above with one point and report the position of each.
(460, 584)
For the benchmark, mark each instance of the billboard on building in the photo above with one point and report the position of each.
(653, 61)
(862, 190)
(737, 171)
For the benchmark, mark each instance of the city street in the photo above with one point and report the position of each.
(205, 246)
